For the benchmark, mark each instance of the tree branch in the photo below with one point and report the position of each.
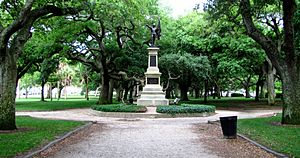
(96, 67)
(123, 76)
(267, 44)
(98, 38)
(170, 78)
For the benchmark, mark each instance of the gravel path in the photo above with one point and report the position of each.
(139, 139)
(167, 137)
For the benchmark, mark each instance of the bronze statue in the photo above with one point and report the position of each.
(155, 33)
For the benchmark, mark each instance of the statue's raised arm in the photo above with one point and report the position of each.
(155, 32)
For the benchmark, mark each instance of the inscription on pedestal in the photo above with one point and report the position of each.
(152, 60)
(152, 80)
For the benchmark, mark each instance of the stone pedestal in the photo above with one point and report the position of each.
(152, 94)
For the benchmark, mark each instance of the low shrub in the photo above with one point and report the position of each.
(120, 108)
(237, 95)
(185, 108)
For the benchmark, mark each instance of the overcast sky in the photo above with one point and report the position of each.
(181, 7)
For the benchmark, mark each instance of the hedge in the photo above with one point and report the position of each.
(185, 108)
(119, 108)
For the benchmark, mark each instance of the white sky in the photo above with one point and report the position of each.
(181, 7)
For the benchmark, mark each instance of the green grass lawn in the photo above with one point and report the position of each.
(36, 133)
(36, 105)
(285, 139)
(234, 102)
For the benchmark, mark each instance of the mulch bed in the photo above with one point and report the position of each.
(211, 136)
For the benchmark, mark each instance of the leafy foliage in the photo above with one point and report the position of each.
(185, 108)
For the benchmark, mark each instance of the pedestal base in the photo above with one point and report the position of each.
(152, 95)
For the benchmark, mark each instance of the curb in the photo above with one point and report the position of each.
(148, 115)
(56, 141)
(277, 154)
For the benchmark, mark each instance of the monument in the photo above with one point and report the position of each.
(152, 94)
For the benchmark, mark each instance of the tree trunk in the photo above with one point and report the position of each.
(111, 90)
(176, 93)
(201, 93)
(258, 83)
(26, 93)
(183, 93)
(86, 79)
(197, 93)
(246, 85)
(8, 79)
(131, 93)
(217, 91)
(291, 97)
(262, 92)
(125, 97)
(192, 92)
(247, 91)
(104, 95)
(49, 91)
(227, 93)
(65, 89)
(119, 92)
(270, 83)
(257, 90)
(168, 93)
(205, 91)
(271, 88)
(59, 92)
(42, 91)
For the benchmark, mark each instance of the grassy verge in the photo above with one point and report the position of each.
(120, 108)
(32, 134)
(269, 132)
(34, 104)
(185, 108)
(235, 102)
(52, 105)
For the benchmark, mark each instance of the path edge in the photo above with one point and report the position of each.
(58, 140)
(277, 154)
(148, 115)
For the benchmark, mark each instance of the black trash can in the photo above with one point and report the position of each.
(229, 125)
